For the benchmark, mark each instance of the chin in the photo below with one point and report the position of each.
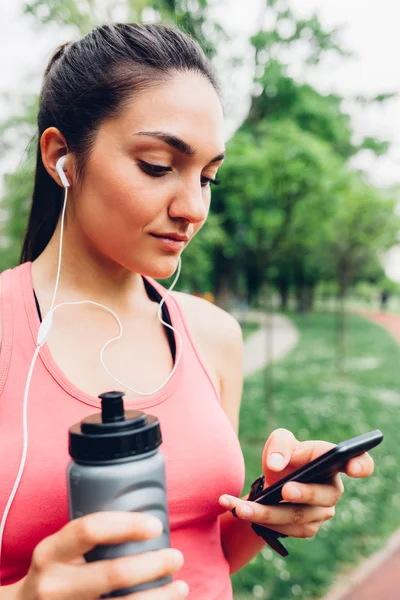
(163, 268)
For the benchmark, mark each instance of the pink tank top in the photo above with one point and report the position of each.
(202, 452)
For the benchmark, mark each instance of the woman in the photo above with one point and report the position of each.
(136, 110)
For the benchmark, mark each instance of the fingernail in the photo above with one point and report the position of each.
(356, 468)
(177, 558)
(245, 510)
(154, 526)
(276, 460)
(183, 588)
(294, 493)
(224, 501)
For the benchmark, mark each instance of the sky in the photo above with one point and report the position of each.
(368, 29)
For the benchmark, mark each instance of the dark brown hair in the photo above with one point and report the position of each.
(90, 80)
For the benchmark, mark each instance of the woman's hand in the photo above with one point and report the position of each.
(305, 506)
(59, 571)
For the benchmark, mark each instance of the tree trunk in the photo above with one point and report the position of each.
(300, 298)
(309, 297)
(224, 280)
(342, 323)
(268, 370)
(283, 288)
(223, 295)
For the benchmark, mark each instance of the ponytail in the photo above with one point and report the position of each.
(46, 200)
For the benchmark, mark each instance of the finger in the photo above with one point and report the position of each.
(81, 535)
(278, 449)
(361, 466)
(307, 530)
(104, 576)
(314, 494)
(283, 514)
(172, 591)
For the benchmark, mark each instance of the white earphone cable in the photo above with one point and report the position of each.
(60, 248)
(43, 333)
(24, 449)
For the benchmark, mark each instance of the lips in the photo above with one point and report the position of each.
(171, 242)
(172, 236)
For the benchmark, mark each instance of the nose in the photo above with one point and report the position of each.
(191, 202)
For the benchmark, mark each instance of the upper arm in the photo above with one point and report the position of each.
(219, 337)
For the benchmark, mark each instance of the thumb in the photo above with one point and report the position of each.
(278, 449)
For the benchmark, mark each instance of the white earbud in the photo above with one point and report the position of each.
(60, 171)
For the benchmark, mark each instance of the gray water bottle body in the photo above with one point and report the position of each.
(135, 484)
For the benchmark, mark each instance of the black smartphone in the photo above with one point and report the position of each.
(324, 467)
(319, 470)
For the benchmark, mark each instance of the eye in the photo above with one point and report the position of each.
(153, 170)
(206, 181)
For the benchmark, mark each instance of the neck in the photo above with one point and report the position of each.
(85, 274)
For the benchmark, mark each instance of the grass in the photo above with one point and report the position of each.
(314, 402)
(249, 328)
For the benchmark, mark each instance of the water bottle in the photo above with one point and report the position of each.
(116, 465)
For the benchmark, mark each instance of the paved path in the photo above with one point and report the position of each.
(378, 578)
(389, 321)
(275, 338)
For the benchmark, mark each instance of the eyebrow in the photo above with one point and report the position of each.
(178, 144)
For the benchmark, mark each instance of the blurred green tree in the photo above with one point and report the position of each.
(293, 227)
(84, 15)
(275, 176)
(364, 224)
(279, 183)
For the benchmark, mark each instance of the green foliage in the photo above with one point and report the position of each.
(81, 15)
(248, 328)
(378, 147)
(364, 223)
(279, 96)
(300, 254)
(283, 98)
(197, 260)
(320, 40)
(379, 98)
(86, 14)
(285, 190)
(18, 185)
(266, 178)
(314, 403)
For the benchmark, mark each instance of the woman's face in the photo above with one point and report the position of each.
(149, 176)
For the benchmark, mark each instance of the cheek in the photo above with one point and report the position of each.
(118, 200)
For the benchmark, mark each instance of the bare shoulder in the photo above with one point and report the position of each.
(211, 321)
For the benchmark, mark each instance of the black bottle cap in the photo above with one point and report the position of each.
(112, 407)
(113, 433)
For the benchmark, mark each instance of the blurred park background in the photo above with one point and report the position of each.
(305, 223)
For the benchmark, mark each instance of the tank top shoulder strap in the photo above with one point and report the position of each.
(176, 316)
(180, 323)
(14, 320)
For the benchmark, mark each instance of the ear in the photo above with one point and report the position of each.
(53, 146)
